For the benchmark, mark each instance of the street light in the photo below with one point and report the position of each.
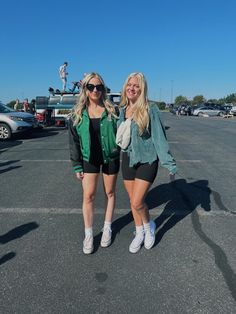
(171, 91)
(160, 95)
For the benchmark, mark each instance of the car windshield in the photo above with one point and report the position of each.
(5, 109)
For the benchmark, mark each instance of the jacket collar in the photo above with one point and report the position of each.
(85, 113)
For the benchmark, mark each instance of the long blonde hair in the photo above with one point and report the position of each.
(141, 114)
(83, 99)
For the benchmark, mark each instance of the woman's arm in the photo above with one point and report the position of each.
(75, 150)
(160, 142)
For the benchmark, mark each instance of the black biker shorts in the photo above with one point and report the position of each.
(146, 171)
(111, 168)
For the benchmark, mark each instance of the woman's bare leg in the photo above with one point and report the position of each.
(89, 184)
(109, 188)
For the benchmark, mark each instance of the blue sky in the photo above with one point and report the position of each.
(184, 47)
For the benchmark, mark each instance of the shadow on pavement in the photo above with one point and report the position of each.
(13, 234)
(181, 199)
(44, 132)
(18, 232)
(7, 257)
(8, 163)
(8, 144)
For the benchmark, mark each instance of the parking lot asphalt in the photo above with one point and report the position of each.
(191, 268)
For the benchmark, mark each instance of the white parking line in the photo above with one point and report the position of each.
(36, 160)
(119, 211)
(67, 160)
(189, 160)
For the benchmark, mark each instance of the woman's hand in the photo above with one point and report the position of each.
(80, 175)
(172, 177)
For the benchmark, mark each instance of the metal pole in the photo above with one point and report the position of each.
(171, 91)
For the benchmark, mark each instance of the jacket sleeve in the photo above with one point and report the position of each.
(75, 150)
(160, 142)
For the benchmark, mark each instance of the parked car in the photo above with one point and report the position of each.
(12, 122)
(233, 110)
(226, 108)
(209, 111)
(115, 98)
(173, 109)
(185, 110)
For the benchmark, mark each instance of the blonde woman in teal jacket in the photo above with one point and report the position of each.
(93, 149)
(141, 154)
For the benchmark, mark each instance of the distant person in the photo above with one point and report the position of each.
(77, 84)
(142, 138)
(63, 75)
(17, 105)
(32, 108)
(26, 106)
(93, 149)
(48, 117)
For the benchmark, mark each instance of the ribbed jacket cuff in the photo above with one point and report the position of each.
(78, 169)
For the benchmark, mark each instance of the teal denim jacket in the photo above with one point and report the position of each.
(152, 144)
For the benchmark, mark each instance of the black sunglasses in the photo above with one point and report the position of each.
(99, 87)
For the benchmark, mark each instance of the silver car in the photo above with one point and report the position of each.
(12, 122)
(208, 111)
(233, 110)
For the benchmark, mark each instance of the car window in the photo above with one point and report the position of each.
(4, 109)
(116, 99)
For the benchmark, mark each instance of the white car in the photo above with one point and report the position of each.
(208, 111)
(12, 122)
(114, 97)
(233, 110)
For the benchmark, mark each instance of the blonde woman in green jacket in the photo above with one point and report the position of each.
(141, 154)
(92, 134)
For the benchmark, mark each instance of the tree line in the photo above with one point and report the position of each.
(179, 100)
(199, 99)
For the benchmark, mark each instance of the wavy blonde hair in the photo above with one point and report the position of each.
(141, 114)
(83, 99)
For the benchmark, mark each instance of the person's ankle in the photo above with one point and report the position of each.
(88, 232)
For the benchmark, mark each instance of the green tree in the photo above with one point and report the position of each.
(231, 98)
(198, 99)
(181, 100)
(161, 105)
(213, 100)
(11, 104)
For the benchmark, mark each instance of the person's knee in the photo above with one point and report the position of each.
(137, 205)
(110, 194)
(89, 198)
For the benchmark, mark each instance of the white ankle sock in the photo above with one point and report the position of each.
(139, 229)
(147, 226)
(88, 232)
(107, 224)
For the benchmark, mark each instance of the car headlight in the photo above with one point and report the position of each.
(14, 118)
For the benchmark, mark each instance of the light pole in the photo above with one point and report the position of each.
(171, 91)
(160, 95)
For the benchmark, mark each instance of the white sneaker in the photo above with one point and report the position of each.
(137, 242)
(150, 235)
(88, 245)
(106, 237)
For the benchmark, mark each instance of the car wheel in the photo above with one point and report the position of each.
(5, 132)
(221, 114)
(200, 114)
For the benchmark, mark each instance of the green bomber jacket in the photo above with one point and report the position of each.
(79, 140)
